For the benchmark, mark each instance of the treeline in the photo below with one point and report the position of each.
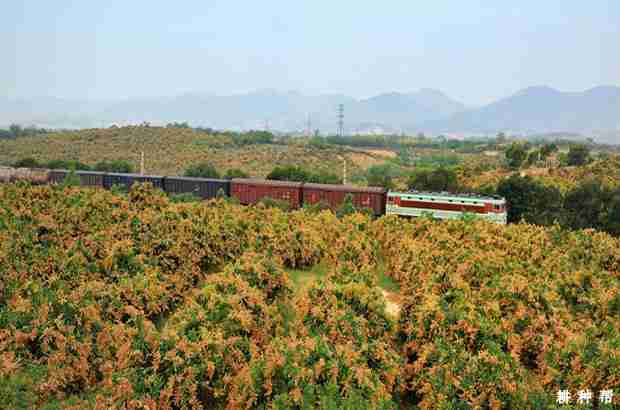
(284, 173)
(523, 154)
(298, 174)
(239, 138)
(208, 170)
(17, 131)
(118, 166)
(377, 141)
(591, 204)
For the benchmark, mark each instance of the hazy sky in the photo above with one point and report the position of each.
(474, 51)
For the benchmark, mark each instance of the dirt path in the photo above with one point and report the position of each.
(392, 306)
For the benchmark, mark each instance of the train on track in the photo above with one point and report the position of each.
(380, 201)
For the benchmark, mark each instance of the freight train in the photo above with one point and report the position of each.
(440, 205)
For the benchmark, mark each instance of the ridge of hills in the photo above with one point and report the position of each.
(532, 110)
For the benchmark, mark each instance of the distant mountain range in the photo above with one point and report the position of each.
(533, 110)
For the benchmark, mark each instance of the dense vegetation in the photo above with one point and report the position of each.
(298, 174)
(17, 131)
(118, 166)
(138, 302)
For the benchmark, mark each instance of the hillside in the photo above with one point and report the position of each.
(135, 302)
(169, 151)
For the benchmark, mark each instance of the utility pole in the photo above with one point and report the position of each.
(141, 162)
(344, 169)
(308, 126)
(341, 120)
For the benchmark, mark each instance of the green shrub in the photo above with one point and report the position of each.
(187, 197)
(27, 163)
(67, 164)
(235, 173)
(116, 166)
(202, 170)
(275, 203)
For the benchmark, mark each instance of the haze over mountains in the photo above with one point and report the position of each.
(532, 110)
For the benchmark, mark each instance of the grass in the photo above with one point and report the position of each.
(384, 281)
(19, 391)
(302, 278)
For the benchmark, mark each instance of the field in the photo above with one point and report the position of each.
(131, 301)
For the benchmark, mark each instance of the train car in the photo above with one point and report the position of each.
(204, 188)
(127, 180)
(334, 195)
(33, 175)
(251, 191)
(122, 180)
(91, 178)
(56, 176)
(443, 205)
(156, 180)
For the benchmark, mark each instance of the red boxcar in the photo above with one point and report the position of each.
(333, 195)
(250, 191)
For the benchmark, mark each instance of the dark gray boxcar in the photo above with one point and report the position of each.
(156, 180)
(204, 188)
(123, 180)
(90, 178)
(127, 180)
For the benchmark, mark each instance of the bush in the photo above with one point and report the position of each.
(275, 203)
(298, 174)
(441, 179)
(71, 179)
(381, 176)
(317, 207)
(347, 207)
(516, 154)
(339, 355)
(253, 137)
(53, 164)
(323, 177)
(202, 170)
(578, 155)
(186, 197)
(289, 173)
(27, 163)
(530, 200)
(67, 164)
(116, 166)
(235, 173)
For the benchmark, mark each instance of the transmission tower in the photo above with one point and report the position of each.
(341, 120)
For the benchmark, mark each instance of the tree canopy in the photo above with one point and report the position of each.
(440, 179)
(202, 170)
(578, 154)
